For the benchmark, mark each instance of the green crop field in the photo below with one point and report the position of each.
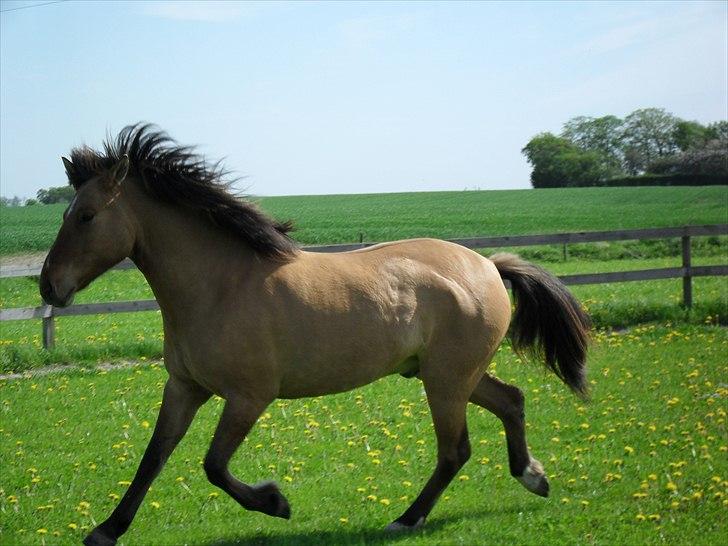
(329, 219)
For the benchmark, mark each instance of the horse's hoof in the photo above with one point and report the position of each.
(398, 526)
(534, 479)
(272, 500)
(97, 538)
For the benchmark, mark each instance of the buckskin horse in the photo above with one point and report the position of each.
(250, 317)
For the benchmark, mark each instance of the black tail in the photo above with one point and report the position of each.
(548, 321)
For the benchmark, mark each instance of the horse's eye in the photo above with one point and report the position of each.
(86, 217)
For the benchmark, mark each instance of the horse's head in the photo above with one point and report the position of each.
(97, 233)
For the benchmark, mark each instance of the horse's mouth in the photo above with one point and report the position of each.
(66, 300)
(51, 298)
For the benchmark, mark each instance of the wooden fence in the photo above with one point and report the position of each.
(687, 271)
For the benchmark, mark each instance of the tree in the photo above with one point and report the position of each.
(718, 131)
(648, 135)
(603, 135)
(557, 162)
(14, 201)
(62, 194)
(689, 135)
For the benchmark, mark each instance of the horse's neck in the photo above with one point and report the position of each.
(185, 258)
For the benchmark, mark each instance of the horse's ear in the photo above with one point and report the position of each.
(68, 166)
(119, 171)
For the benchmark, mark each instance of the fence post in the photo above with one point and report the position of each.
(687, 278)
(49, 329)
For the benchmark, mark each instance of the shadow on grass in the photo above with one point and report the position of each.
(366, 536)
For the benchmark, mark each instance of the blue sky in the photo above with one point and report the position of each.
(315, 98)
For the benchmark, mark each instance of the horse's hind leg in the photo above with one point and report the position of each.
(180, 402)
(507, 403)
(453, 450)
(238, 417)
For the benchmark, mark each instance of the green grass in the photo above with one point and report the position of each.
(656, 426)
(328, 219)
(651, 444)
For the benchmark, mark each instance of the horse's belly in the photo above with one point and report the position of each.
(339, 365)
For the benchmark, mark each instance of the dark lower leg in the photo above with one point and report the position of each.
(446, 469)
(507, 403)
(453, 449)
(180, 402)
(237, 419)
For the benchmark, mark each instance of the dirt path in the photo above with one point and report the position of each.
(49, 370)
(26, 259)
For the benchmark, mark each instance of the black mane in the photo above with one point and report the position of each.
(176, 174)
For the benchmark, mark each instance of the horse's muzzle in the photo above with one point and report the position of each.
(52, 296)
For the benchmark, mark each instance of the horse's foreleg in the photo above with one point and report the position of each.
(453, 451)
(180, 402)
(238, 417)
(507, 403)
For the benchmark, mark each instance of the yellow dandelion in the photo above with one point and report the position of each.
(155, 504)
(640, 517)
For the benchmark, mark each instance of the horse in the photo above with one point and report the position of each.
(251, 317)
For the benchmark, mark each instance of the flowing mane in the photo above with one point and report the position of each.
(178, 175)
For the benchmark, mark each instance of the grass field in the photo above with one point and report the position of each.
(381, 217)
(644, 463)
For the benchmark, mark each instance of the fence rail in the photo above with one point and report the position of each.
(686, 272)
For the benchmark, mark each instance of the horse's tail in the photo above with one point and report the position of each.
(548, 320)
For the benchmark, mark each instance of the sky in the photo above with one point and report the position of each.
(361, 97)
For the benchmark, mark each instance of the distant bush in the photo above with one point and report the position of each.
(665, 180)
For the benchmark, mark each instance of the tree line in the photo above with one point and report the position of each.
(649, 145)
(49, 196)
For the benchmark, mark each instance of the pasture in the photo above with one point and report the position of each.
(643, 463)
